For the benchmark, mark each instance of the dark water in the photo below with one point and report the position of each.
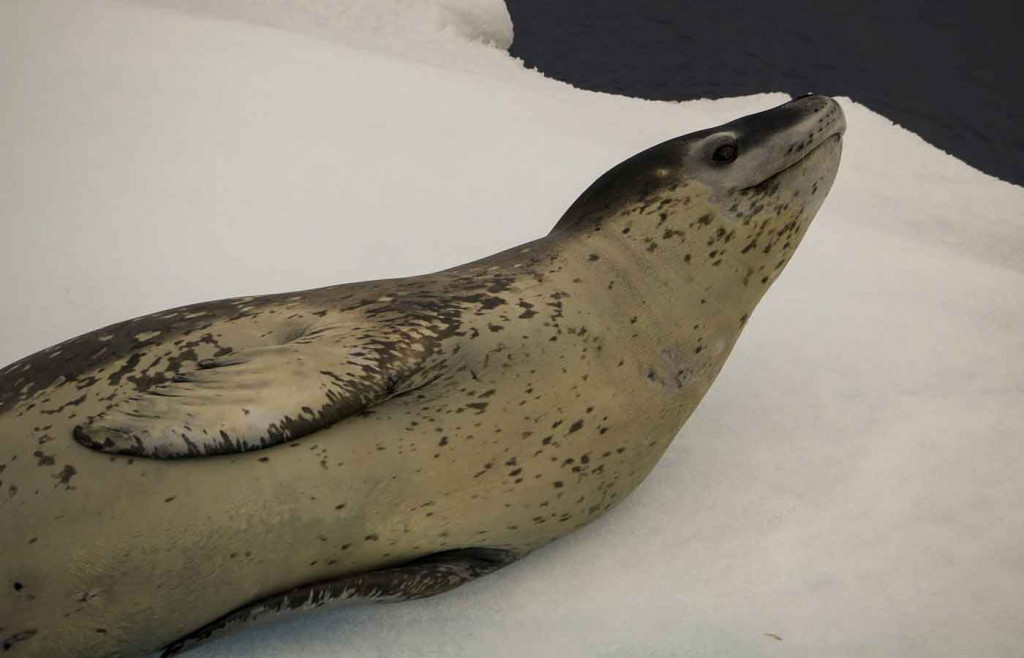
(952, 72)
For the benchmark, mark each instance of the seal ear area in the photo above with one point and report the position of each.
(257, 398)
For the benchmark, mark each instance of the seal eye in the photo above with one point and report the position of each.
(725, 153)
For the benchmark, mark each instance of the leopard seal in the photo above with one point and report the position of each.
(167, 479)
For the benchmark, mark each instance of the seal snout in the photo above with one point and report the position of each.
(779, 138)
(825, 115)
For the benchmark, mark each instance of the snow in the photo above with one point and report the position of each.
(851, 482)
(423, 28)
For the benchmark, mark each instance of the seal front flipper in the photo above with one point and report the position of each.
(427, 576)
(259, 397)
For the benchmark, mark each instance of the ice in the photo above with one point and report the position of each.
(851, 484)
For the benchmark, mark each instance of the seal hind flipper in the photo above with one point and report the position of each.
(262, 396)
(427, 576)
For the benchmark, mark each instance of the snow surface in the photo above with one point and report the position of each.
(851, 484)
(421, 28)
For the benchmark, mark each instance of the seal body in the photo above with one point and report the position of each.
(242, 449)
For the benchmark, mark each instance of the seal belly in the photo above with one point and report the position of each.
(110, 555)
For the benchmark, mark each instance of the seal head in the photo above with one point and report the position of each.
(720, 205)
(737, 161)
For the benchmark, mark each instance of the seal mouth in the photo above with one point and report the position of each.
(831, 139)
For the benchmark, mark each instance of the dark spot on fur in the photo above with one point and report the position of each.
(528, 311)
(44, 459)
(20, 636)
(491, 303)
(71, 403)
(115, 378)
(64, 477)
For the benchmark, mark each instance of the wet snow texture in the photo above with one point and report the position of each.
(851, 485)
